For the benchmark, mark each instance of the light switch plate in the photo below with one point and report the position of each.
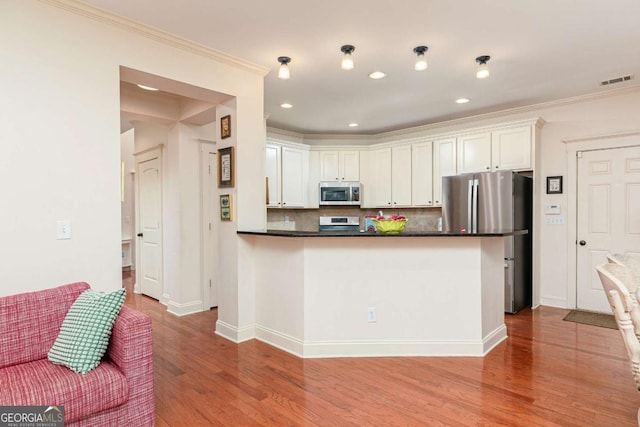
(63, 229)
(554, 219)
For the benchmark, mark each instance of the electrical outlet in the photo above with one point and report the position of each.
(371, 315)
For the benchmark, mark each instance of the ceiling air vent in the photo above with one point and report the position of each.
(616, 80)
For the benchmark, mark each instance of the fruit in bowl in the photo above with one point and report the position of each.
(390, 225)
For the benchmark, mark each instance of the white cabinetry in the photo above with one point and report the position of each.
(422, 174)
(339, 166)
(287, 170)
(511, 148)
(381, 160)
(401, 176)
(474, 153)
(501, 149)
(392, 177)
(444, 164)
(273, 169)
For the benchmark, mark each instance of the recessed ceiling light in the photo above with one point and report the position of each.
(146, 87)
(377, 75)
(462, 100)
(286, 105)
(353, 125)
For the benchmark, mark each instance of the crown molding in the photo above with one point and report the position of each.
(155, 34)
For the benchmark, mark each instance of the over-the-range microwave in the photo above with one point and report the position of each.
(339, 193)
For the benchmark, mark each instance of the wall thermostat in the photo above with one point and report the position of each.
(552, 210)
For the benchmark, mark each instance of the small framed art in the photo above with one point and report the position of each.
(225, 167)
(554, 185)
(226, 208)
(225, 127)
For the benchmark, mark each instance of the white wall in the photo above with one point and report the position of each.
(60, 114)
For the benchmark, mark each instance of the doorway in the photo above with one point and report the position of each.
(210, 208)
(607, 218)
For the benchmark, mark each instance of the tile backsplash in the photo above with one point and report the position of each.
(419, 219)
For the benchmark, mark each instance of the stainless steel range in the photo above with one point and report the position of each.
(339, 223)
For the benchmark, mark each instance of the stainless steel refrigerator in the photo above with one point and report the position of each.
(495, 202)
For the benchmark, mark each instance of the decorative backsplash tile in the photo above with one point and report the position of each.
(419, 219)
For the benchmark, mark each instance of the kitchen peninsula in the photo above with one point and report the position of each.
(348, 294)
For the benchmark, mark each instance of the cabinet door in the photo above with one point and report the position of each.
(350, 165)
(329, 166)
(422, 174)
(511, 148)
(294, 183)
(474, 153)
(444, 164)
(272, 169)
(401, 176)
(382, 177)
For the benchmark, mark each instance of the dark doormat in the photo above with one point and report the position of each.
(591, 318)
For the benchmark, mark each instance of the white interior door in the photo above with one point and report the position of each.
(150, 227)
(608, 216)
(211, 205)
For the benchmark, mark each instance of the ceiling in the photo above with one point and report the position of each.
(540, 51)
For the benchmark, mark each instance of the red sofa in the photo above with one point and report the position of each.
(118, 392)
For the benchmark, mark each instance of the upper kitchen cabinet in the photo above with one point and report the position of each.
(511, 148)
(273, 170)
(339, 166)
(444, 164)
(501, 149)
(390, 183)
(422, 174)
(401, 176)
(474, 153)
(295, 177)
(287, 170)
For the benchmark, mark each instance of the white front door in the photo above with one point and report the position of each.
(608, 216)
(150, 227)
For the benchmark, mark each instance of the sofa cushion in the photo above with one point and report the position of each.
(84, 335)
(43, 383)
(30, 322)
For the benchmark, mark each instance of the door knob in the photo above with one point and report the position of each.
(582, 242)
(139, 234)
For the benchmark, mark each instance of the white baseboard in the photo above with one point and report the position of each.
(554, 302)
(184, 309)
(282, 341)
(233, 333)
(494, 338)
(382, 348)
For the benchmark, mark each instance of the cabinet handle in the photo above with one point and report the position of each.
(429, 202)
(388, 203)
(488, 168)
(496, 166)
(437, 201)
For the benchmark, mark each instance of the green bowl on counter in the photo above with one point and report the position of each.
(390, 226)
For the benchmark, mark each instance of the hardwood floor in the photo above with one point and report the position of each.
(548, 373)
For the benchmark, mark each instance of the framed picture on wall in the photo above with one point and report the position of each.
(226, 208)
(225, 127)
(554, 185)
(225, 167)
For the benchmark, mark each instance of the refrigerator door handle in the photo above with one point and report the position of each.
(474, 201)
(469, 207)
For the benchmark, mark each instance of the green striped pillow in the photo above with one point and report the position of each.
(85, 332)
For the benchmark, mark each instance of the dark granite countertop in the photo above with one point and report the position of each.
(290, 233)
